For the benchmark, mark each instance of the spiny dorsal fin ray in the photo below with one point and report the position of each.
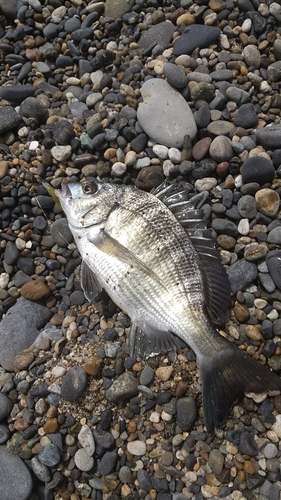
(187, 209)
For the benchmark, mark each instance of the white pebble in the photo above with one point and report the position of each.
(258, 398)
(166, 416)
(273, 315)
(238, 181)
(224, 41)
(167, 167)
(23, 132)
(83, 461)
(61, 153)
(160, 151)
(130, 158)
(246, 25)
(243, 227)
(276, 427)
(93, 99)
(86, 439)
(174, 155)
(58, 371)
(4, 280)
(33, 145)
(154, 417)
(136, 447)
(118, 169)
(205, 184)
(20, 244)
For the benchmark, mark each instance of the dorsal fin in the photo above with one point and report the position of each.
(187, 208)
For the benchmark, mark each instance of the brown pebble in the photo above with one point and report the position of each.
(35, 290)
(181, 389)
(229, 182)
(241, 312)
(177, 13)
(201, 148)
(51, 425)
(187, 19)
(131, 427)
(222, 169)
(268, 202)
(52, 412)
(93, 366)
(164, 373)
(248, 467)
(253, 332)
(20, 424)
(23, 360)
(217, 5)
(4, 165)
(226, 242)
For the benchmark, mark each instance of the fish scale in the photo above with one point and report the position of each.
(154, 256)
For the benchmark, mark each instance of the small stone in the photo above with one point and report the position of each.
(74, 383)
(124, 387)
(6, 406)
(93, 366)
(108, 462)
(86, 439)
(164, 373)
(216, 461)
(186, 412)
(136, 448)
(35, 290)
(61, 153)
(23, 360)
(247, 444)
(50, 455)
(257, 169)
(83, 461)
(268, 202)
(118, 169)
(14, 467)
(253, 332)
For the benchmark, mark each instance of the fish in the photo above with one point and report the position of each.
(156, 258)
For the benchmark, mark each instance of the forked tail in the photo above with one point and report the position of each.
(226, 377)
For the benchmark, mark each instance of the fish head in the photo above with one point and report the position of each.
(88, 203)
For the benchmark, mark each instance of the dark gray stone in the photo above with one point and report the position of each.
(144, 480)
(5, 406)
(247, 207)
(16, 93)
(11, 253)
(273, 260)
(108, 462)
(158, 34)
(40, 470)
(257, 169)
(270, 136)
(19, 329)
(246, 116)
(50, 455)
(175, 76)
(247, 444)
(124, 387)
(4, 433)
(74, 383)
(241, 274)
(9, 119)
(32, 108)
(15, 479)
(61, 233)
(195, 36)
(186, 412)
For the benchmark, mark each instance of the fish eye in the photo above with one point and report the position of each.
(89, 187)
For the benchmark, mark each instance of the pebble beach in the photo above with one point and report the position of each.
(135, 92)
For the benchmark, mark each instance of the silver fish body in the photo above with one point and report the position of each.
(146, 252)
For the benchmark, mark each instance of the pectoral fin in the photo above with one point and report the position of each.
(152, 342)
(94, 292)
(113, 248)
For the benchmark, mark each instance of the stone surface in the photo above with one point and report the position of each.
(19, 329)
(13, 467)
(195, 36)
(163, 106)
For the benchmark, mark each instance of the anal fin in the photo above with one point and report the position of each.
(150, 342)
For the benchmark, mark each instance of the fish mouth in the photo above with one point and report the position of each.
(64, 192)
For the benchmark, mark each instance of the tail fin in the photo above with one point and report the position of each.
(227, 377)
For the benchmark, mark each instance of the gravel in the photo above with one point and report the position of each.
(134, 92)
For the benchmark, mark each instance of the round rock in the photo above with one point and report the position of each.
(221, 149)
(74, 383)
(15, 479)
(164, 114)
(186, 412)
(257, 169)
(32, 108)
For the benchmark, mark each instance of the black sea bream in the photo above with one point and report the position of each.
(154, 257)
